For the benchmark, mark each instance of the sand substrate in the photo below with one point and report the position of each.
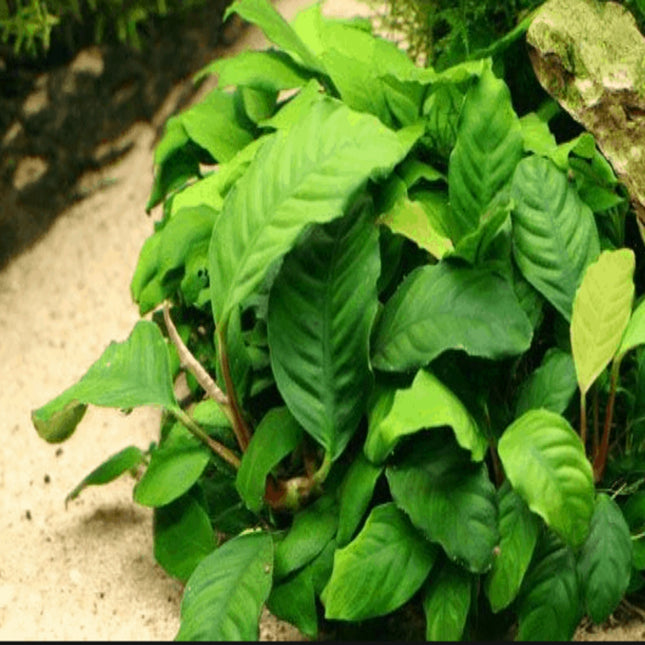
(87, 572)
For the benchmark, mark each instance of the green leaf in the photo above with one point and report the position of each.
(447, 496)
(601, 311)
(294, 109)
(269, 70)
(356, 493)
(446, 603)
(546, 464)
(130, 374)
(488, 148)
(183, 536)
(554, 233)
(123, 461)
(427, 403)
(441, 110)
(550, 386)
(536, 135)
(519, 530)
(549, 607)
(295, 602)
(174, 467)
(311, 531)
(259, 105)
(276, 436)
(634, 513)
(635, 333)
(605, 561)
(305, 175)
(380, 569)
(410, 219)
(444, 307)
(275, 28)
(225, 594)
(321, 310)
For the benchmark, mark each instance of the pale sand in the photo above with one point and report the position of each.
(86, 572)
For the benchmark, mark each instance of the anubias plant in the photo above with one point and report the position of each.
(380, 289)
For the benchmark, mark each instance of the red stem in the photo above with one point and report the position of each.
(601, 458)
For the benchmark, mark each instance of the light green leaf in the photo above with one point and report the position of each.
(380, 569)
(410, 219)
(183, 536)
(601, 311)
(488, 148)
(130, 374)
(356, 493)
(123, 461)
(269, 70)
(635, 333)
(174, 467)
(546, 464)
(305, 175)
(427, 403)
(518, 529)
(446, 603)
(311, 531)
(549, 607)
(224, 596)
(554, 233)
(259, 105)
(295, 108)
(605, 561)
(321, 310)
(536, 135)
(444, 307)
(448, 497)
(275, 28)
(295, 602)
(276, 436)
(551, 386)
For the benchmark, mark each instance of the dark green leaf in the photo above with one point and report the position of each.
(123, 461)
(519, 530)
(605, 561)
(295, 602)
(225, 594)
(446, 603)
(183, 536)
(444, 307)
(447, 496)
(380, 569)
(276, 436)
(546, 464)
(321, 310)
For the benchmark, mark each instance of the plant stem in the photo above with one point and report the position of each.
(241, 430)
(583, 418)
(321, 474)
(600, 460)
(219, 449)
(596, 423)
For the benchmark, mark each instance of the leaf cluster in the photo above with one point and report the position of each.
(382, 289)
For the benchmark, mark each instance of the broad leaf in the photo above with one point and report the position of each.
(446, 603)
(444, 307)
(311, 531)
(546, 464)
(174, 467)
(225, 594)
(269, 70)
(427, 403)
(295, 602)
(554, 233)
(447, 496)
(519, 530)
(183, 536)
(601, 311)
(605, 562)
(356, 493)
(123, 461)
(488, 148)
(551, 386)
(634, 513)
(635, 333)
(549, 606)
(380, 569)
(305, 175)
(321, 310)
(275, 28)
(276, 436)
(130, 374)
